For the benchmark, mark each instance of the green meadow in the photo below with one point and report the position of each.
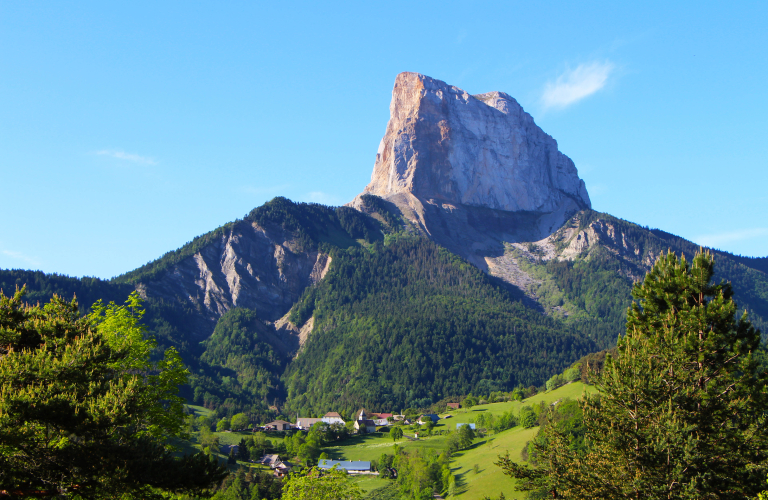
(488, 480)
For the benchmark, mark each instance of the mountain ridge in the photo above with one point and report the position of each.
(308, 306)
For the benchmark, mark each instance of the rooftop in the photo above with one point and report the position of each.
(324, 463)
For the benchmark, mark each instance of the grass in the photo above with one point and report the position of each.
(489, 480)
(369, 483)
(362, 447)
(484, 452)
(200, 411)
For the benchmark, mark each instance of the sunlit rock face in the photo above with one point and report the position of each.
(444, 144)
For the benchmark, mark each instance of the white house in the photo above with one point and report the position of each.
(333, 418)
(304, 423)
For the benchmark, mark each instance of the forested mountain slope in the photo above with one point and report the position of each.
(584, 271)
(391, 318)
(409, 323)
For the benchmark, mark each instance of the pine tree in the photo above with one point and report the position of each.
(681, 409)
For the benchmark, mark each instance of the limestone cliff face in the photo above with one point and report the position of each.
(444, 144)
(473, 173)
(249, 267)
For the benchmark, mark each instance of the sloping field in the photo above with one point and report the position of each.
(489, 480)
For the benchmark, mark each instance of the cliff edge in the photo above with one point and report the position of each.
(444, 144)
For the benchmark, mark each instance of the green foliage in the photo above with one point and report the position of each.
(763, 495)
(600, 288)
(303, 309)
(222, 425)
(389, 492)
(250, 485)
(83, 407)
(396, 433)
(572, 374)
(497, 423)
(681, 410)
(239, 362)
(309, 223)
(312, 224)
(421, 472)
(383, 209)
(527, 417)
(409, 323)
(41, 287)
(315, 484)
(461, 439)
(240, 421)
(599, 285)
(568, 419)
(243, 453)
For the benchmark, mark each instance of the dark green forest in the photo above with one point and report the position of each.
(409, 323)
(238, 362)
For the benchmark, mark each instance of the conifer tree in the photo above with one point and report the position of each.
(681, 409)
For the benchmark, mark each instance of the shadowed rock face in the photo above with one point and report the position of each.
(249, 266)
(446, 145)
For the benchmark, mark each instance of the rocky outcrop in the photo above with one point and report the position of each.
(472, 172)
(444, 144)
(247, 266)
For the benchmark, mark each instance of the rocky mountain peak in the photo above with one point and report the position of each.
(445, 145)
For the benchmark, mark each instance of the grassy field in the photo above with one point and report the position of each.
(368, 483)
(489, 480)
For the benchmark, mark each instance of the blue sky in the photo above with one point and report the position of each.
(126, 130)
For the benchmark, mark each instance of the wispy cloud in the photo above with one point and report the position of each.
(720, 239)
(321, 197)
(122, 155)
(21, 257)
(574, 85)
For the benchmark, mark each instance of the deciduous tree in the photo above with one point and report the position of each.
(396, 433)
(314, 484)
(84, 409)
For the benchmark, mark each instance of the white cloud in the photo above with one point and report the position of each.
(20, 256)
(720, 239)
(321, 197)
(122, 155)
(574, 85)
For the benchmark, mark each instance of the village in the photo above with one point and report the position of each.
(364, 422)
(379, 450)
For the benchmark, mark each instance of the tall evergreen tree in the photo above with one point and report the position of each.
(681, 409)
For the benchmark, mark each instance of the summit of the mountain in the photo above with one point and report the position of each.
(443, 145)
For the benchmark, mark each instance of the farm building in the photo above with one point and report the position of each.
(352, 467)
